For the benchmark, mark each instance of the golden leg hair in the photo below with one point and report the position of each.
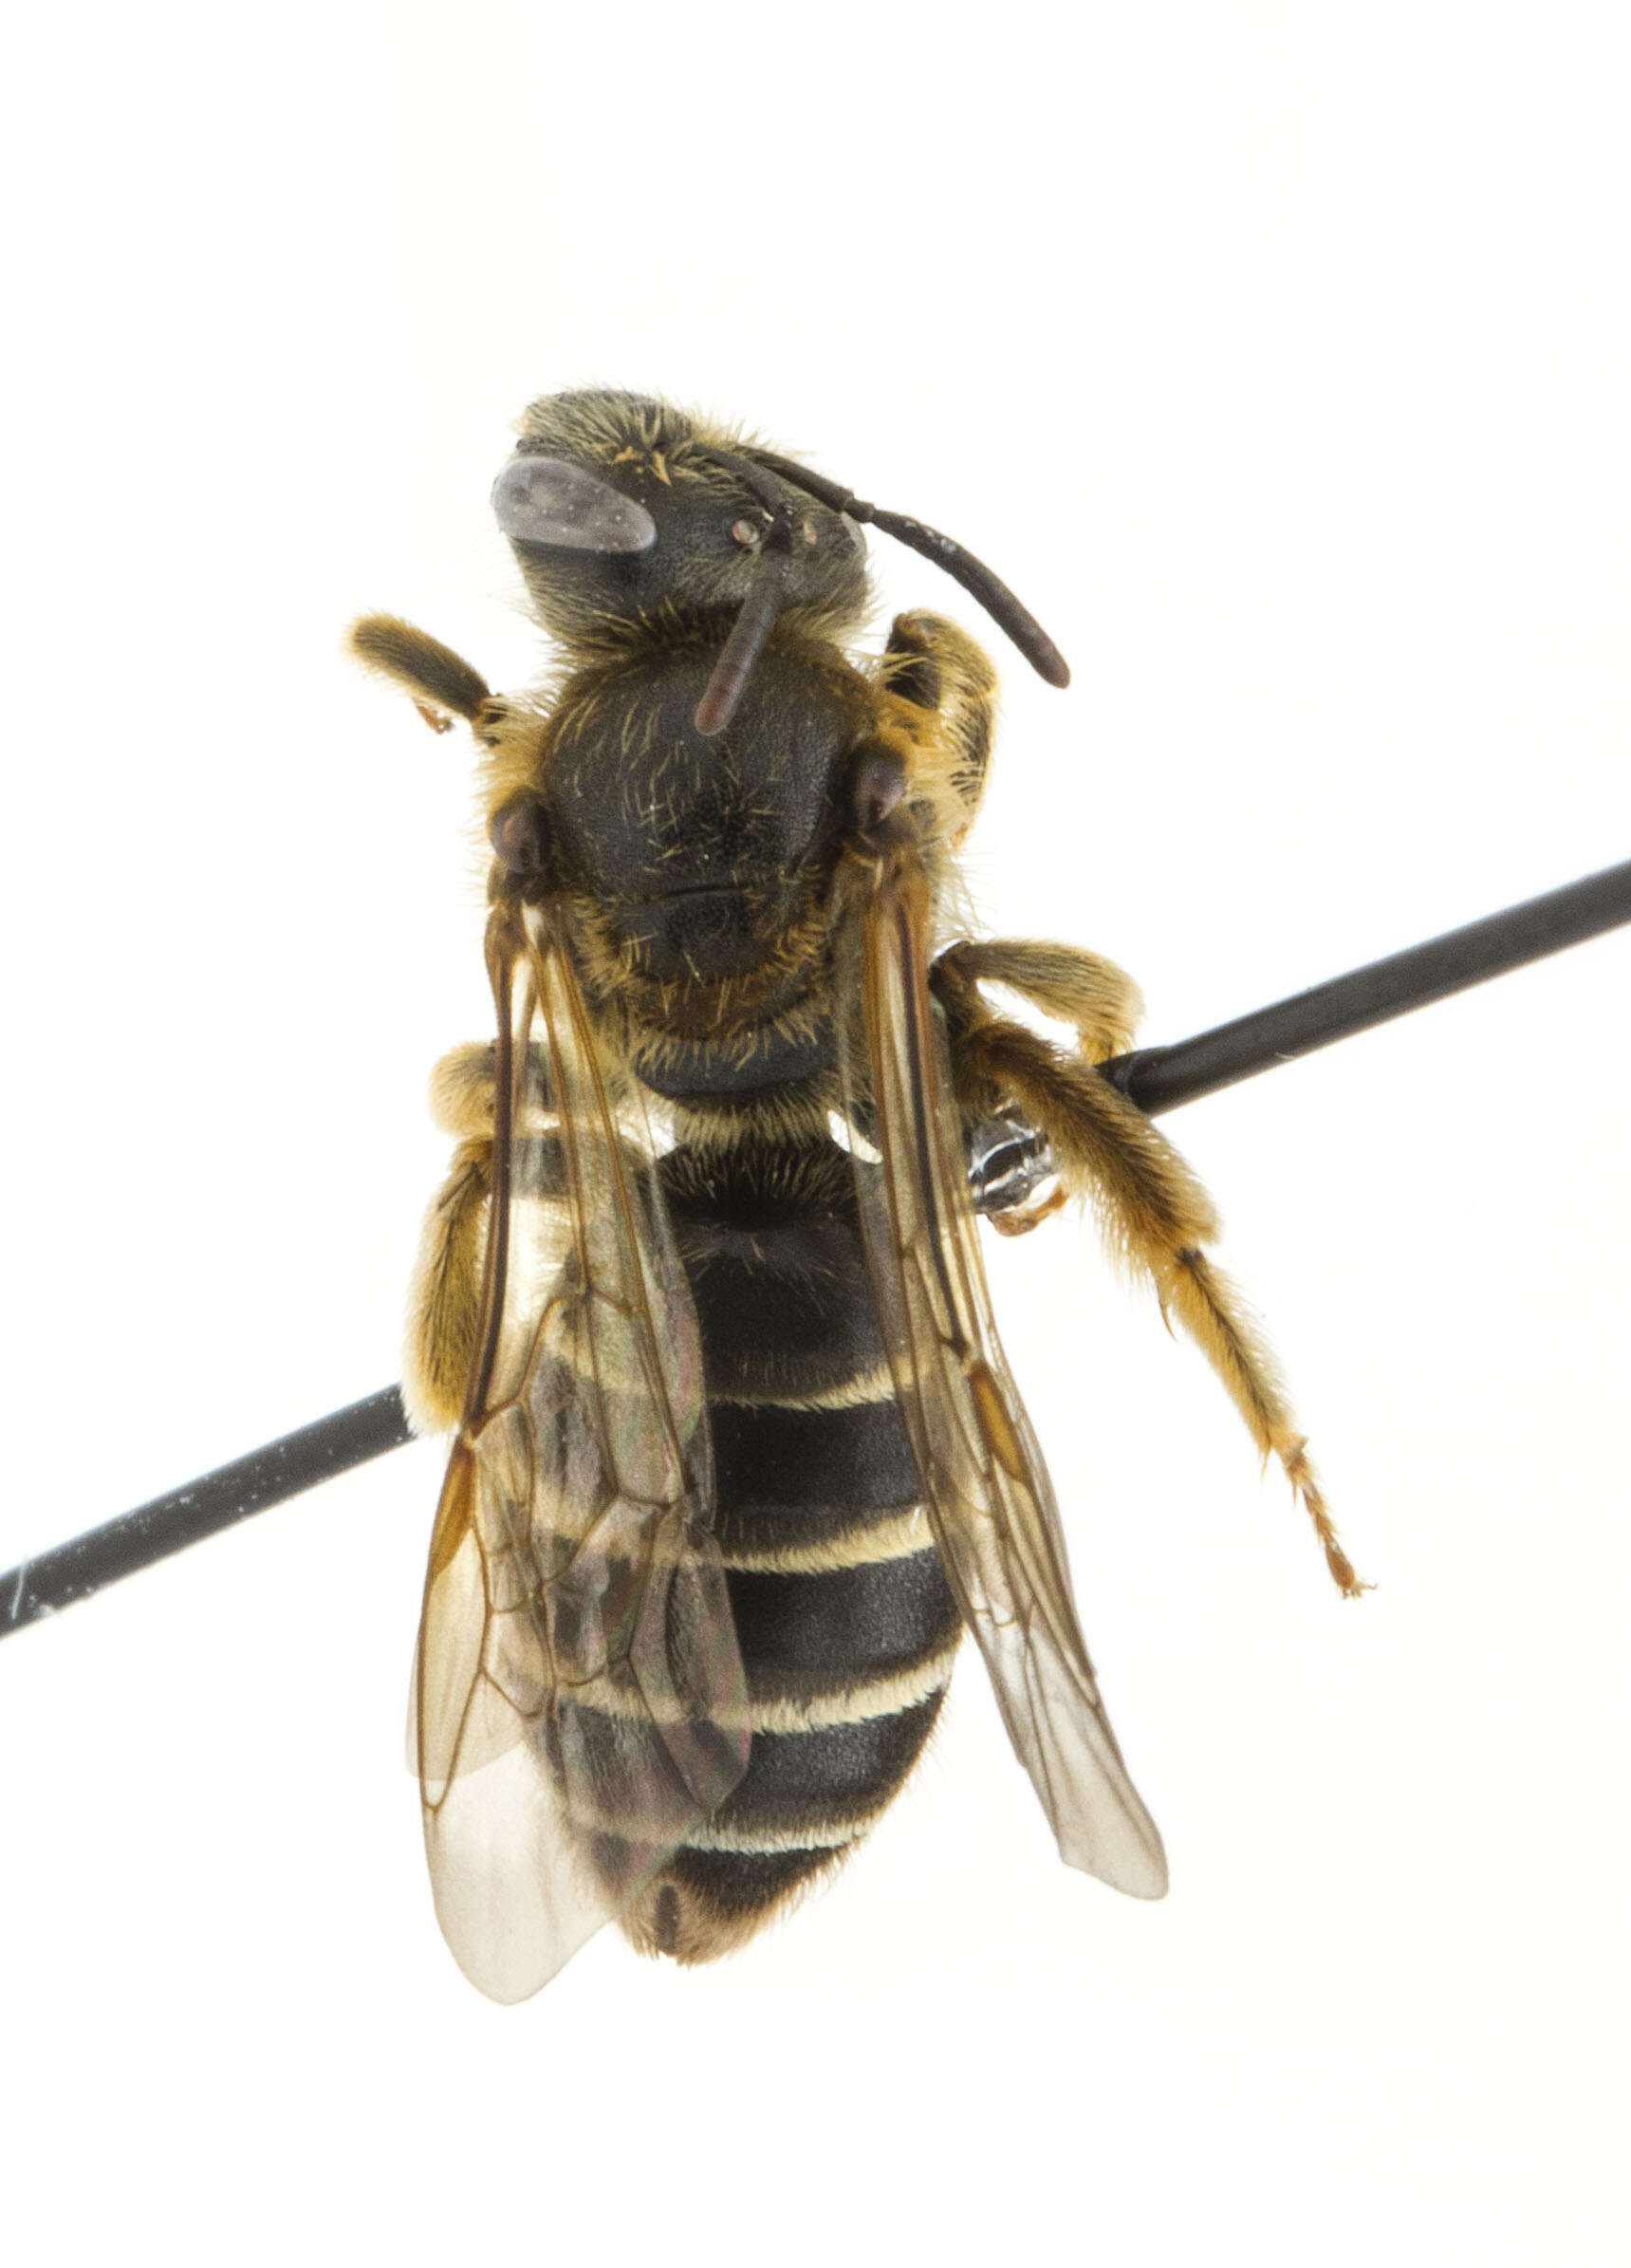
(931, 663)
(463, 1089)
(1097, 1000)
(442, 683)
(1156, 1217)
(444, 1304)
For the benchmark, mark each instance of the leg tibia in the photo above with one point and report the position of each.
(444, 1306)
(1156, 1217)
(443, 684)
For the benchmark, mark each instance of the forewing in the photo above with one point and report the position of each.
(580, 1704)
(986, 1489)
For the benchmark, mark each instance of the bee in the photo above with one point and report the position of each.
(738, 1459)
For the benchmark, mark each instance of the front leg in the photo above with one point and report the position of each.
(442, 684)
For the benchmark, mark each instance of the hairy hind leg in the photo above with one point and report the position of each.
(1154, 1213)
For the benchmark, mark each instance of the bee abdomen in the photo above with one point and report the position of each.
(808, 1797)
(848, 1631)
(847, 1624)
(846, 1669)
(806, 1800)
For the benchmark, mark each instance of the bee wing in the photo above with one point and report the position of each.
(579, 1697)
(987, 1492)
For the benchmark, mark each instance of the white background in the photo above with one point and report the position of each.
(1279, 356)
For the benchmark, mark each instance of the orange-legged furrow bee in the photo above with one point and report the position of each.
(737, 1458)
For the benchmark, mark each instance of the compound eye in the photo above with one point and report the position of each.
(541, 500)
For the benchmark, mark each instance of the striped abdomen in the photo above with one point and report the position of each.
(847, 1624)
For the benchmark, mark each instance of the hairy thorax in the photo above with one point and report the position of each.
(701, 867)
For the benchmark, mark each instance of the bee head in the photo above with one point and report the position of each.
(630, 518)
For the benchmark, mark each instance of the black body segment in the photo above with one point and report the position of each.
(825, 1781)
(772, 1460)
(882, 1619)
(700, 1068)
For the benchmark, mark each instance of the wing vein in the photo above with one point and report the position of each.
(988, 1497)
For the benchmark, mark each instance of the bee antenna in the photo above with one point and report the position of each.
(751, 629)
(760, 608)
(975, 577)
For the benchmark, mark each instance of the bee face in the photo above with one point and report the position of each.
(619, 518)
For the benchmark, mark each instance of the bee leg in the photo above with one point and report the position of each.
(441, 683)
(929, 664)
(1097, 1000)
(1101, 1004)
(444, 1305)
(1156, 1217)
